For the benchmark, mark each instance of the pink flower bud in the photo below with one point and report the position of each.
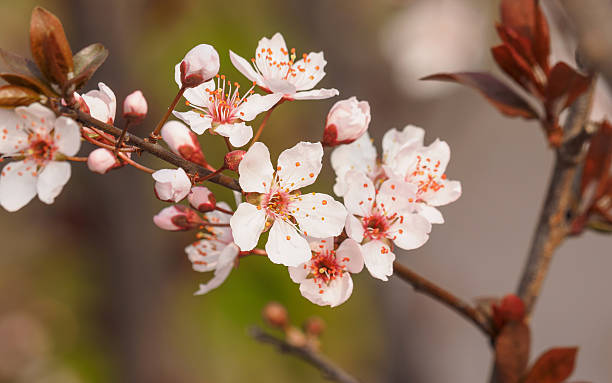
(183, 141)
(232, 159)
(135, 106)
(172, 185)
(347, 120)
(101, 161)
(177, 218)
(200, 64)
(275, 315)
(202, 199)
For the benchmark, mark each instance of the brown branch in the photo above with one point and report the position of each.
(152, 148)
(441, 295)
(552, 225)
(310, 356)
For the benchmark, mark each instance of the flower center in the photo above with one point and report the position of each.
(270, 68)
(324, 267)
(375, 226)
(41, 150)
(224, 101)
(427, 175)
(277, 204)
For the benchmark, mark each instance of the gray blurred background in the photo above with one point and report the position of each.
(92, 291)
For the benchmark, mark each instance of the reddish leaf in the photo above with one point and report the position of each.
(541, 43)
(512, 352)
(13, 63)
(520, 15)
(499, 94)
(554, 366)
(565, 84)
(519, 43)
(28, 82)
(599, 158)
(49, 46)
(86, 63)
(514, 66)
(12, 96)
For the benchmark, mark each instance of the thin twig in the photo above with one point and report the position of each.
(263, 123)
(441, 295)
(315, 359)
(155, 134)
(135, 164)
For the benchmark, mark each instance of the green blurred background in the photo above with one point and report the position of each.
(92, 291)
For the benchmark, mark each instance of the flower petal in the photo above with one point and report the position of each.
(315, 94)
(396, 196)
(359, 155)
(271, 50)
(239, 133)
(17, 185)
(36, 117)
(432, 214)
(13, 137)
(360, 195)
(394, 141)
(310, 71)
(244, 67)
(52, 179)
(334, 294)
(450, 192)
(198, 122)
(318, 215)
(378, 259)
(220, 276)
(410, 231)
(354, 228)
(199, 95)
(349, 254)
(255, 104)
(300, 165)
(286, 246)
(299, 273)
(321, 244)
(280, 85)
(247, 223)
(67, 136)
(255, 169)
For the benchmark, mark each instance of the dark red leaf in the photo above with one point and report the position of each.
(498, 93)
(599, 158)
(86, 63)
(50, 48)
(519, 43)
(512, 352)
(520, 15)
(541, 42)
(13, 63)
(554, 366)
(13, 95)
(565, 84)
(515, 66)
(28, 82)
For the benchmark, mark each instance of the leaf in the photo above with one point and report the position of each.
(512, 352)
(598, 159)
(50, 48)
(86, 63)
(13, 95)
(495, 91)
(28, 82)
(565, 84)
(541, 43)
(520, 15)
(515, 66)
(554, 366)
(13, 63)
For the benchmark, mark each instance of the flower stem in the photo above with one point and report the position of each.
(263, 123)
(155, 134)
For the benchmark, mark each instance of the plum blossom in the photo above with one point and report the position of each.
(202, 199)
(275, 70)
(274, 202)
(183, 142)
(177, 218)
(171, 184)
(215, 252)
(101, 161)
(346, 121)
(41, 142)
(223, 110)
(379, 217)
(200, 64)
(326, 278)
(102, 103)
(135, 106)
(357, 156)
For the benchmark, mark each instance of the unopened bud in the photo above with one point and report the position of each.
(200, 64)
(232, 159)
(182, 141)
(512, 308)
(135, 106)
(275, 315)
(295, 337)
(172, 185)
(101, 161)
(347, 120)
(202, 199)
(177, 218)
(314, 326)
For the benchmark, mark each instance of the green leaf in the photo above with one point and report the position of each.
(86, 63)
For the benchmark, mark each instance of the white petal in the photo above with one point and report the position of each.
(359, 155)
(247, 223)
(255, 169)
(198, 122)
(286, 246)
(360, 195)
(321, 244)
(378, 259)
(450, 192)
(334, 294)
(274, 48)
(52, 179)
(318, 215)
(202, 255)
(172, 184)
(395, 195)
(280, 85)
(354, 228)
(393, 141)
(13, 137)
(108, 96)
(410, 231)
(239, 133)
(67, 136)
(299, 273)
(310, 71)
(17, 185)
(315, 94)
(199, 95)
(220, 276)
(98, 109)
(349, 254)
(432, 214)
(244, 67)
(177, 74)
(300, 165)
(36, 117)
(255, 104)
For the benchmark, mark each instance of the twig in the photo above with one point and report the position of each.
(434, 291)
(327, 367)
(155, 134)
(263, 123)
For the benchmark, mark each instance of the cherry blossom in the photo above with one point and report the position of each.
(182, 141)
(346, 121)
(171, 184)
(102, 103)
(200, 64)
(39, 142)
(177, 218)
(381, 217)
(274, 202)
(202, 199)
(326, 278)
(135, 106)
(101, 161)
(222, 109)
(215, 252)
(275, 70)
(357, 156)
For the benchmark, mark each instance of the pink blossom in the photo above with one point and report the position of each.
(200, 64)
(177, 218)
(347, 120)
(202, 199)
(171, 185)
(101, 161)
(182, 141)
(135, 106)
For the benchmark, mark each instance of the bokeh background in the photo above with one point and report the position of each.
(92, 291)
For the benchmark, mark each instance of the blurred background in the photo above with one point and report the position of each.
(91, 291)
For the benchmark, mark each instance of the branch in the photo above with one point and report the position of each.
(327, 367)
(152, 148)
(434, 291)
(552, 225)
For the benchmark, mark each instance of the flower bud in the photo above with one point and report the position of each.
(202, 199)
(314, 326)
(347, 120)
(510, 308)
(200, 64)
(172, 185)
(101, 161)
(232, 159)
(295, 337)
(177, 218)
(135, 106)
(182, 141)
(275, 315)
